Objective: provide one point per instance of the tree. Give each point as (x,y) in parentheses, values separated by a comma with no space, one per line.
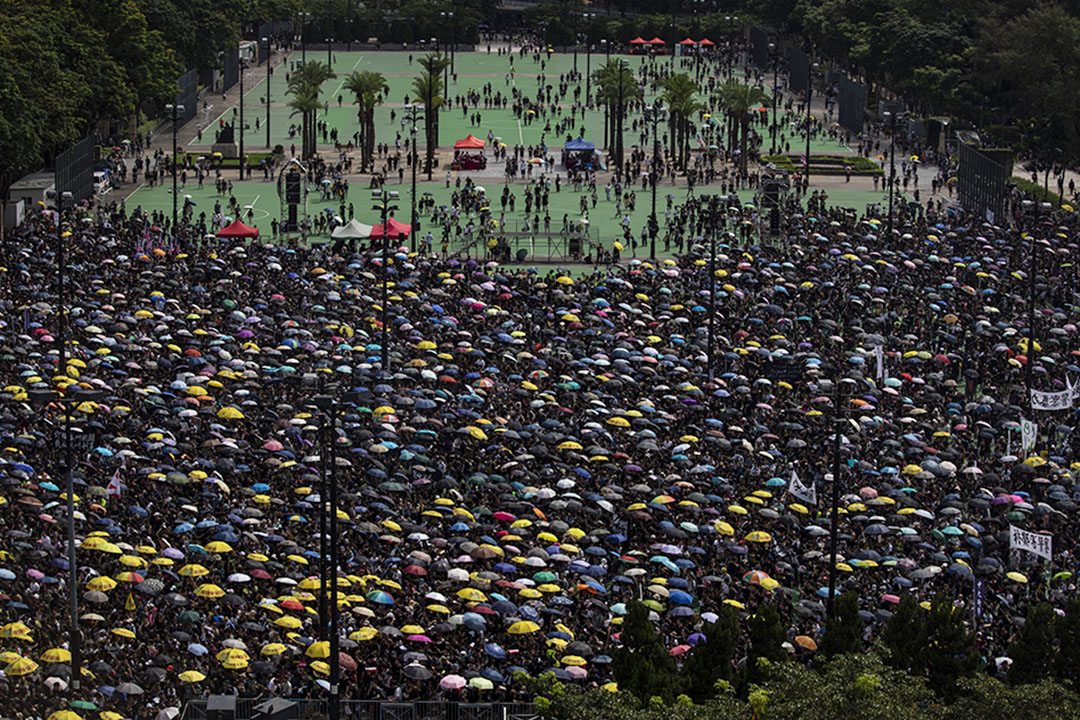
(1033,652)
(946,648)
(711,660)
(304,85)
(902,634)
(680,95)
(428,86)
(369,88)
(984,697)
(642,666)
(843,631)
(1067,667)
(741,100)
(617,88)
(766,636)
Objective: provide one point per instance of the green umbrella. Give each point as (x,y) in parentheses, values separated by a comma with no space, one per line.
(83,705)
(189,616)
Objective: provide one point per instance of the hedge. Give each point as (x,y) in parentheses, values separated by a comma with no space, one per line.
(1036,190)
(827,164)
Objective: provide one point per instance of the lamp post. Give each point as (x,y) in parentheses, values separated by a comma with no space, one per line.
(607,58)
(241,103)
(712,231)
(329,25)
(653,115)
(175,111)
(266,41)
(809,93)
(893,117)
(412,112)
(589,17)
(384,197)
(835,510)
(304,18)
(328,404)
(448,17)
(43,397)
(775,93)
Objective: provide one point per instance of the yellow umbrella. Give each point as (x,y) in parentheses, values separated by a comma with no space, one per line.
(209,590)
(65,715)
(1016,577)
(724,528)
(319,649)
(232,654)
(103,583)
(759,536)
(364,634)
(273,649)
(618,422)
(569,445)
(523,627)
(56,655)
(192,676)
(472,595)
(564,280)
(22,666)
(235,664)
(230,413)
(217,547)
(132,561)
(110,715)
(124,633)
(288,622)
(193,571)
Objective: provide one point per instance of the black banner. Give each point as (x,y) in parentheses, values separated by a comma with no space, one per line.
(75,170)
(852,104)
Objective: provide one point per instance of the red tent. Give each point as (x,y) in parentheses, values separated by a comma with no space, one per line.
(707,41)
(469,143)
(238,229)
(687,41)
(639,41)
(397,229)
(657,41)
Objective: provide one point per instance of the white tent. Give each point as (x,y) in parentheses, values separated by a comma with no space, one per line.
(352,230)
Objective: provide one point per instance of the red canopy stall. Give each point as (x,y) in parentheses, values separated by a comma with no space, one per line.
(396,229)
(466,160)
(237,229)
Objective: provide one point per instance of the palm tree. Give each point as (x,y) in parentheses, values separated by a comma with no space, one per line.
(617,88)
(741,100)
(680,95)
(304,86)
(368,88)
(428,86)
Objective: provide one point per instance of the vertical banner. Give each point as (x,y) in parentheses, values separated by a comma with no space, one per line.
(1029,433)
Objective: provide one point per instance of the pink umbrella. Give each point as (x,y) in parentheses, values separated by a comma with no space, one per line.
(576,673)
(868,493)
(273,446)
(452,682)
(890,599)
(678,650)
(34,573)
(419,638)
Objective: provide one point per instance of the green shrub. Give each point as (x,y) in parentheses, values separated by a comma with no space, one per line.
(827,164)
(1036,190)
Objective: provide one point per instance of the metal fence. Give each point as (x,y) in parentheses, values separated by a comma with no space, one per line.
(852,104)
(249,709)
(75,170)
(798,70)
(188,95)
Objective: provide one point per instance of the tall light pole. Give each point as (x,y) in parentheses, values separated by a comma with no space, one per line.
(329,54)
(810,65)
(412,112)
(43,397)
(266,41)
(589,17)
(241,103)
(775,93)
(304,18)
(448,18)
(834,519)
(893,117)
(384,197)
(175,111)
(653,115)
(607,58)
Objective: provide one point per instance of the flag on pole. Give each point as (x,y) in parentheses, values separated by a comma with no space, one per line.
(115,487)
(806,493)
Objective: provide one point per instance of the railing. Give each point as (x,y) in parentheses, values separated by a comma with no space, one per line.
(307,709)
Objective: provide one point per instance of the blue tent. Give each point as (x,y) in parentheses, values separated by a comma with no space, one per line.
(580,144)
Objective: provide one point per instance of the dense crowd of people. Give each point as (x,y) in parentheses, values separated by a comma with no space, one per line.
(540,450)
